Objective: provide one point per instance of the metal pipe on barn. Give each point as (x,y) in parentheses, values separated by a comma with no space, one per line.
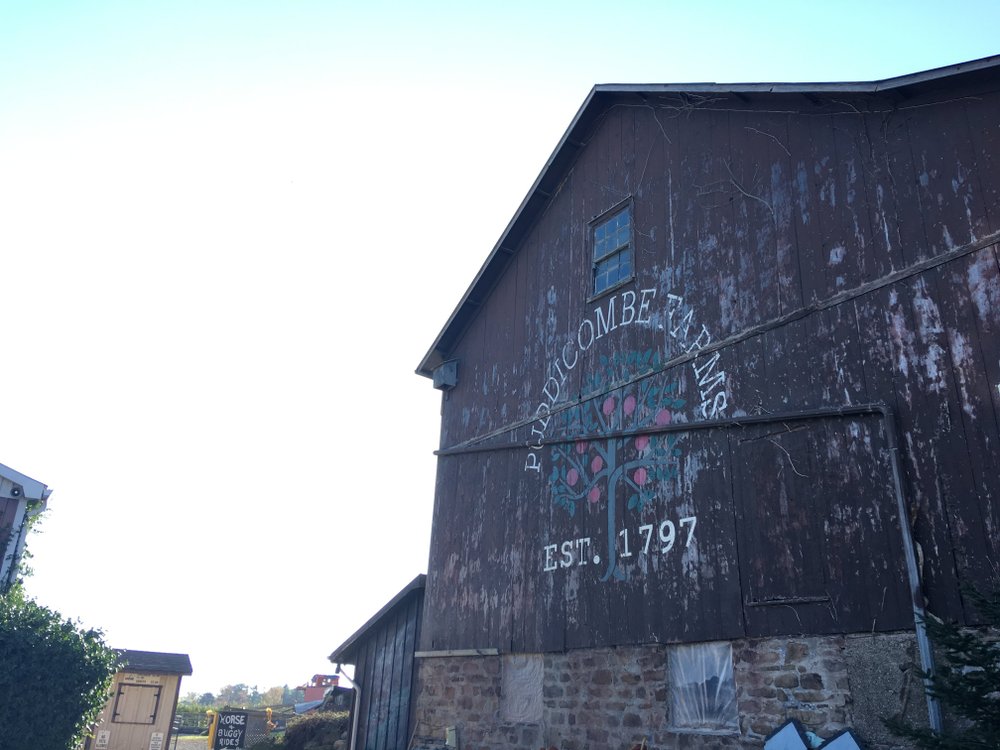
(916,590)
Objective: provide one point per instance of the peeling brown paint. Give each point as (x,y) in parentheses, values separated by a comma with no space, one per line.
(833,256)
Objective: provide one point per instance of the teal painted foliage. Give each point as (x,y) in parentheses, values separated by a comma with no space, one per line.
(592,470)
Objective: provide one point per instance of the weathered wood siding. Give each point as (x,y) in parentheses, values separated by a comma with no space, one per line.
(383,666)
(790,254)
(8,513)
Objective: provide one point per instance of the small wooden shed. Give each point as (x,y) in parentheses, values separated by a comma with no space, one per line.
(382,652)
(140,712)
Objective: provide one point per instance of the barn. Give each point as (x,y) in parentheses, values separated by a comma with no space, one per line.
(720,420)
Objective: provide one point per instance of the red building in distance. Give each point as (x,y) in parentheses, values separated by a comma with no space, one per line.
(316,689)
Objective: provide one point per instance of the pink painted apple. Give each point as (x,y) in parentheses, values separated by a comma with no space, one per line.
(571,477)
(609,405)
(594,495)
(597,464)
(628,405)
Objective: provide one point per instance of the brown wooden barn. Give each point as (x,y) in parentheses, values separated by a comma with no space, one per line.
(720,418)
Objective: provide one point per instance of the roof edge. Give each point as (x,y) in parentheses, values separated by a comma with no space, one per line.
(337,657)
(154,662)
(428,363)
(33,489)
(818,87)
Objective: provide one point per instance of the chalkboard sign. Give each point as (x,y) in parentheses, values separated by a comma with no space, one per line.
(231,729)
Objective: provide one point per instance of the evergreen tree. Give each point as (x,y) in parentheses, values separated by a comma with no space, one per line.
(967,682)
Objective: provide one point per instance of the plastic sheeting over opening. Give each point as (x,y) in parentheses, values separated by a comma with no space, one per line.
(702,688)
(521,688)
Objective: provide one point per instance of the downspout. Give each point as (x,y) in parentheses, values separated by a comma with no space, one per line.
(916,591)
(15,546)
(355,709)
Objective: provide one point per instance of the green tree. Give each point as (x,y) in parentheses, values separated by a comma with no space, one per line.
(272,696)
(234,695)
(55,677)
(967,682)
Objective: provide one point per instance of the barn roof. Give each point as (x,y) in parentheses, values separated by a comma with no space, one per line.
(603,96)
(344,653)
(155,661)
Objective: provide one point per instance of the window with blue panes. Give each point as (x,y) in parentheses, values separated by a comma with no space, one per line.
(612,262)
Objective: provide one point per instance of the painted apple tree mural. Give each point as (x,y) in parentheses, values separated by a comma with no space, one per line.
(592,471)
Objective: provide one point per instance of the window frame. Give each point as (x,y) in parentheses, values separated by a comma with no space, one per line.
(626,204)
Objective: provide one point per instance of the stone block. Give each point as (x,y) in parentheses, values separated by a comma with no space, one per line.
(810,717)
(602,677)
(786,680)
(796,651)
(811,681)
(810,696)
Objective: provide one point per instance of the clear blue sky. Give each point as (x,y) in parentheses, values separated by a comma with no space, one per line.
(229,232)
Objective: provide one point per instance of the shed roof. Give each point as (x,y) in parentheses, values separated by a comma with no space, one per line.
(155,661)
(343,653)
(600,98)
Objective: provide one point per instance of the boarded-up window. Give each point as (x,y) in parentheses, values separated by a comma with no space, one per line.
(817,527)
(783,524)
(702,688)
(136,704)
(521,689)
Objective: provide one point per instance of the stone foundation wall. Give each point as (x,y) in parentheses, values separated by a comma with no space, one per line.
(618,697)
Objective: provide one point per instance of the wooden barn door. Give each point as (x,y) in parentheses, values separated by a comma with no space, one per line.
(818,530)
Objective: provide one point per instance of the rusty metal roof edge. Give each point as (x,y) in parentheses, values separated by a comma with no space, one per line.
(338,653)
(497,260)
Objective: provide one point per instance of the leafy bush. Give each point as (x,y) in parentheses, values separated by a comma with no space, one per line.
(55,677)
(317,731)
(967,683)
